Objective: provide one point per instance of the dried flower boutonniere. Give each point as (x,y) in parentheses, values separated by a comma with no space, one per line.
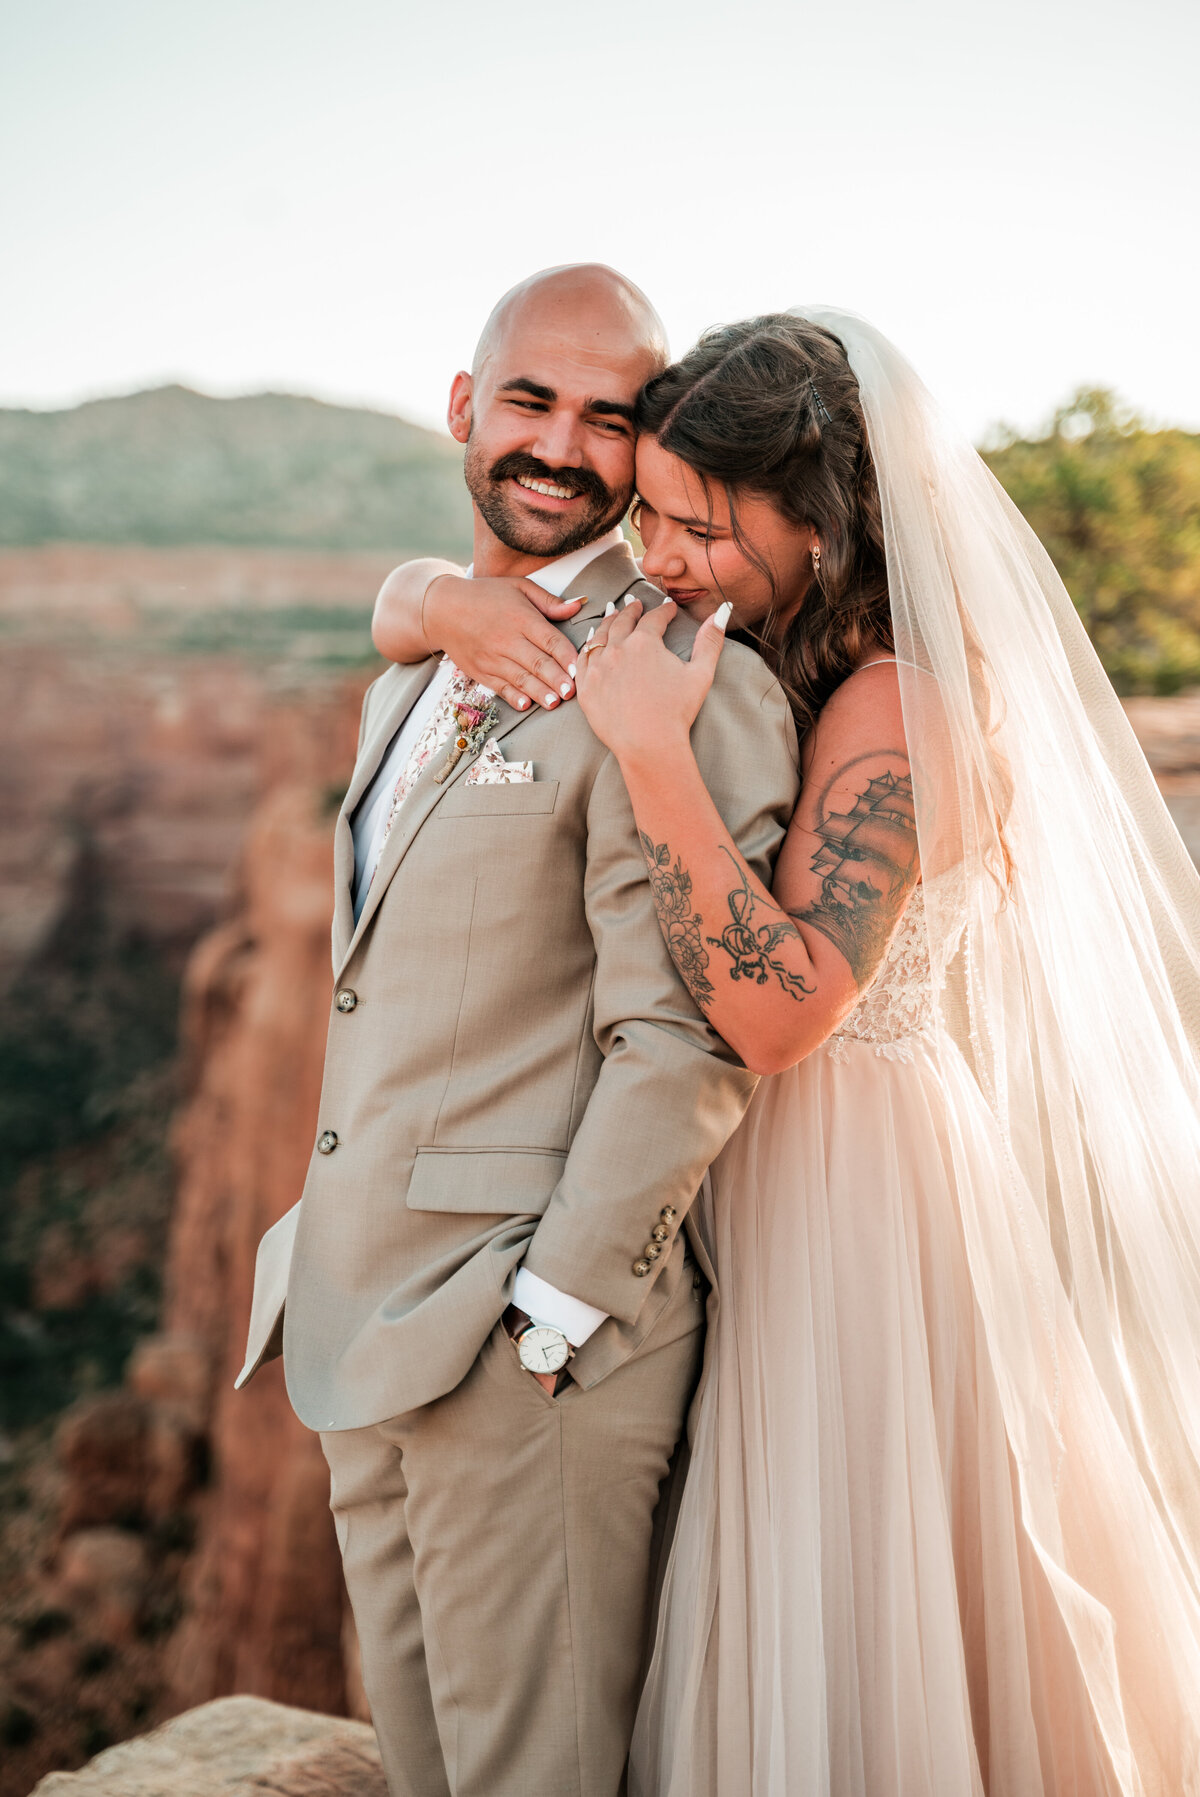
(474,718)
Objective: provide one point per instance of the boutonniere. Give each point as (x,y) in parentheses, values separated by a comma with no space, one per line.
(474,719)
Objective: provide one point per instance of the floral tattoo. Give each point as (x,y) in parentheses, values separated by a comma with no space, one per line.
(672,890)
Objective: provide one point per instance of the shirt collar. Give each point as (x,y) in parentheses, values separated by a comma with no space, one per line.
(557,576)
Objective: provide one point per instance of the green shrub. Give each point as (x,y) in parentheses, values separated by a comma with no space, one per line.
(1118,508)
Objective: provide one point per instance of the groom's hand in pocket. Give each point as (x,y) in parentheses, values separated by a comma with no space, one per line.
(513,1320)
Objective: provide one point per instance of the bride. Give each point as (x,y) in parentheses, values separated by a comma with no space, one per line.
(940,1533)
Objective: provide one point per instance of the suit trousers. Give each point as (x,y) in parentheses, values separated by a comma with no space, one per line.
(497,1546)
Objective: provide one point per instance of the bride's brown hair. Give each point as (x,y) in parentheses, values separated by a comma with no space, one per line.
(771,406)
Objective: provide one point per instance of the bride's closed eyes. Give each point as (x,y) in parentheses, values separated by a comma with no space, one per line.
(645,521)
(693,553)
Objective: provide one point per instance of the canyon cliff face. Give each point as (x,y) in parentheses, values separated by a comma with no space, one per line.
(133,693)
(176,729)
(265,1596)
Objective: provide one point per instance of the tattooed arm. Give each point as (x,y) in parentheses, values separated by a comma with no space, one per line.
(775,972)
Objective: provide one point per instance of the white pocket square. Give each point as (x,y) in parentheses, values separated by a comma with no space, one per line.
(490,768)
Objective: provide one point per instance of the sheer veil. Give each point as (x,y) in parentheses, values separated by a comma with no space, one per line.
(1063,920)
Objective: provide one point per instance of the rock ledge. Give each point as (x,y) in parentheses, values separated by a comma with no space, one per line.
(234,1747)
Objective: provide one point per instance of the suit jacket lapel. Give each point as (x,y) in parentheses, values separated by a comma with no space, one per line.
(407,684)
(603,580)
(423,799)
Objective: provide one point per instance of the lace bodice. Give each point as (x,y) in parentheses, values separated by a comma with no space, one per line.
(899,1001)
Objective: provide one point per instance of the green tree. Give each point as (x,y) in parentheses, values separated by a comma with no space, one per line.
(1118,508)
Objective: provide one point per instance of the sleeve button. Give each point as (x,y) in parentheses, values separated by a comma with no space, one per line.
(659,1233)
(641,1268)
(652,1250)
(668,1214)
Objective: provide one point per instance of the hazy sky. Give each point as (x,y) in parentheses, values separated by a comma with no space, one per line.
(327,198)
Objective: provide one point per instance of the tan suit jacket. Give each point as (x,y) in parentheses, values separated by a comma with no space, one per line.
(522,1075)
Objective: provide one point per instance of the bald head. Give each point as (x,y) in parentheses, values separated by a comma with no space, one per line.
(594,305)
(547,413)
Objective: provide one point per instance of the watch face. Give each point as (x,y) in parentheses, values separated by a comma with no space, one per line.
(543,1350)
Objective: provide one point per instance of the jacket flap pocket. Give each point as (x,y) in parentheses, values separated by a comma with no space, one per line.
(485,1181)
(496,798)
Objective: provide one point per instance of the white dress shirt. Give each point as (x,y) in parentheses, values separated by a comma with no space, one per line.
(369,823)
(546,1303)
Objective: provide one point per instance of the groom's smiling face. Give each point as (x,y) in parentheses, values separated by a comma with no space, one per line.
(547,414)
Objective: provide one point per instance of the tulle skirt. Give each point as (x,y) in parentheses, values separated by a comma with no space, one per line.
(866,1595)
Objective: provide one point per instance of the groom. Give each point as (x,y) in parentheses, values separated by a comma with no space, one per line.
(519,1104)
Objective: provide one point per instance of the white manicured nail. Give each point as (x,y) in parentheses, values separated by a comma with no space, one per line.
(630,599)
(591,633)
(551,699)
(571,669)
(722,614)
(565,688)
(610,608)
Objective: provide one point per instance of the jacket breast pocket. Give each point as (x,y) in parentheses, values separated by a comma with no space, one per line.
(498,799)
(485,1181)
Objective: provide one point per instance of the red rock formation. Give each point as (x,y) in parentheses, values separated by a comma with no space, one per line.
(118,731)
(1169,732)
(148,766)
(266,1597)
(113,586)
(135,1456)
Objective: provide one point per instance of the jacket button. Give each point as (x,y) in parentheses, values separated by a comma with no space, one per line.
(659,1233)
(327,1141)
(667,1214)
(641,1268)
(346,999)
(652,1250)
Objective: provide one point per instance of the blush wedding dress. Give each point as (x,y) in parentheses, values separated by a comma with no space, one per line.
(940,1533)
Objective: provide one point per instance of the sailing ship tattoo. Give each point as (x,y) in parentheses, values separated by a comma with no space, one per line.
(868,865)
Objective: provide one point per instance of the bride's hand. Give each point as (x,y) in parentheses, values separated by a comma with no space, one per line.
(638,697)
(498,632)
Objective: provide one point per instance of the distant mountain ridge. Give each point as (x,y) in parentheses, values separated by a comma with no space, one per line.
(173,466)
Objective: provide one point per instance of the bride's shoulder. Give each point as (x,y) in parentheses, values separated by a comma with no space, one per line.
(862,718)
(867,703)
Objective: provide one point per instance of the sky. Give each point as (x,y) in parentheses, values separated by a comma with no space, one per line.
(251,195)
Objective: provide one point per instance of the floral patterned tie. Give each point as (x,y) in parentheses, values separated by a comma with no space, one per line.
(436,732)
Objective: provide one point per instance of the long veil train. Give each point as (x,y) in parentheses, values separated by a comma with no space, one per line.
(1057,1109)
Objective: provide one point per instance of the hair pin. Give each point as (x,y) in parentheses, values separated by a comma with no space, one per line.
(816,393)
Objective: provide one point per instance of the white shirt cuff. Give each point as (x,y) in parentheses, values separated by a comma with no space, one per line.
(576,1319)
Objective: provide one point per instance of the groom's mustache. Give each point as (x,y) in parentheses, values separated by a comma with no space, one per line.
(575,481)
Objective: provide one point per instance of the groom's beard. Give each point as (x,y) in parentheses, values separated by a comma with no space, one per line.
(518,526)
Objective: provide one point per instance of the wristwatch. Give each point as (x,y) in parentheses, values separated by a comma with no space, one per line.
(541,1348)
